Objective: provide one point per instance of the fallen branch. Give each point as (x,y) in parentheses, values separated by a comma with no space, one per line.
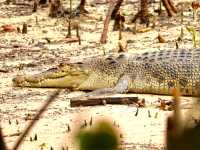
(23,4)
(103,101)
(64,40)
(4,70)
(71,40)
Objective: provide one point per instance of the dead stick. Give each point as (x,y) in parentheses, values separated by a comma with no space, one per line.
(120,26)
(106,22)
(69,22)
(104,100)
(77,34)
(4,70)
(70,40)
(14,134)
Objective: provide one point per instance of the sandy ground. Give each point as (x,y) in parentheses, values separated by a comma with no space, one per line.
(35,54)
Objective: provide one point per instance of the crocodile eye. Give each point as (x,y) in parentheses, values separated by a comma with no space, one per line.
(112,62)
(109,58)
(121,56)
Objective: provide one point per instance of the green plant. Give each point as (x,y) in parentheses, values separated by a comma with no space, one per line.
(100,137)
(192,31)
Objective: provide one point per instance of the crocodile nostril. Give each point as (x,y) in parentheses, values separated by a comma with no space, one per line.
(18,79)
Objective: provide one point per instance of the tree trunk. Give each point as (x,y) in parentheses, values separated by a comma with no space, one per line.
(82,2)
(81,7)
(172,6)
(119,22)
(56,8)
(143,14)
(116,9)
(106,23)
(168,8)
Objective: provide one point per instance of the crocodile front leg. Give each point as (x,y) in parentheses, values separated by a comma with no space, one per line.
(119,88)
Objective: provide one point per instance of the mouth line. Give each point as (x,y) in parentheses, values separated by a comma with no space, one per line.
(71,79)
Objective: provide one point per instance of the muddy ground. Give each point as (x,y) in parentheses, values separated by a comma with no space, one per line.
(32,53)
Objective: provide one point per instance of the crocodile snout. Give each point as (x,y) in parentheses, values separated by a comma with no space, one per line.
(18,80)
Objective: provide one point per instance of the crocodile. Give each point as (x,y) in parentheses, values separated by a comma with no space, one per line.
(155,72)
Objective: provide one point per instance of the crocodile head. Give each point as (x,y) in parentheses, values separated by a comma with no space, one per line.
(63,76)
(82,74)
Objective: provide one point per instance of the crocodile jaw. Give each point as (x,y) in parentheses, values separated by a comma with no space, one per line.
(71,78)
(70,82)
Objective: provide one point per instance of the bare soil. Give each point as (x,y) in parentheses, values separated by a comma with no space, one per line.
(31,53)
